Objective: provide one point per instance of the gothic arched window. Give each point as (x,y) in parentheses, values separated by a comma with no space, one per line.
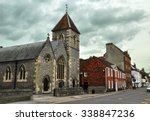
(8,73)
(60,68)
(74,39)
(22,73)
(61,37)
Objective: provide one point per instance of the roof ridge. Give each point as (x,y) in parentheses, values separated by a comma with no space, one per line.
(20,45)
(68,20)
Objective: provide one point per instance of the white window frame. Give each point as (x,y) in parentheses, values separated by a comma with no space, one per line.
(23,76)
(111,72)
(108,84)
(9,78)
(85,74)
(108,72)
(112,84)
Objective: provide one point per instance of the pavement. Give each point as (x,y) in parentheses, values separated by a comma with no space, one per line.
(50,99)
(146,101)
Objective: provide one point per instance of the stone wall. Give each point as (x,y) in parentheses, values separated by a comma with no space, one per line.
(73,57)
(8,96)
(45,69)
(68,91)
(71,40)
(114,55)
(96,89)
(30,75)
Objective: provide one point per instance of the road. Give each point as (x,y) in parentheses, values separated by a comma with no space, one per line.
(130,96)
(137,96)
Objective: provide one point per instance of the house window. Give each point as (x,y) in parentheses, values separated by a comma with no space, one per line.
(60,68)
(108,84)
(22,73)
(8,73)
(108,72)
(118,74)
(115,73)
(111,73)
(85,74)
(112,85)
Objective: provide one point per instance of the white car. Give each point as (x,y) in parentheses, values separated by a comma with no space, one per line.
(148,88)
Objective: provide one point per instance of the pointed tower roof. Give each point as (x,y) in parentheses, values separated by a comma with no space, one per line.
(65,23)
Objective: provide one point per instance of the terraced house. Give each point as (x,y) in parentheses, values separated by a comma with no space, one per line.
(45,65)
(100,75)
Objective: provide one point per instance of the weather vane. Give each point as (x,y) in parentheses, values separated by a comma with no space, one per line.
(66,8)
(48,34)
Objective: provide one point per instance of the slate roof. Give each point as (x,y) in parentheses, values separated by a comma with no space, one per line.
(21,52)
(111,65)
(65,23)
(102,59)
(108,64)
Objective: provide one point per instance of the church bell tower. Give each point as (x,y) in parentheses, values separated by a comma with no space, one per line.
(66,31)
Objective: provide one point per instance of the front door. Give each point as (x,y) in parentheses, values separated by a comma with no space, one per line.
(45,84)
(73,83)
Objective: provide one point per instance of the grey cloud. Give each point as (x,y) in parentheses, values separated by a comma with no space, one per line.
(113,24)
(120,33)
(28,18)
(114,16)
(20,16)
(15,35)
(86,37)
(92,52)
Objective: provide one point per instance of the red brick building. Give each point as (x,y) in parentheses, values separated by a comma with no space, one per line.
(95,72)
(92,72)
(127,68)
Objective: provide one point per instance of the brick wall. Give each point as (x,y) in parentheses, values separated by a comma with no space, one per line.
(93,72)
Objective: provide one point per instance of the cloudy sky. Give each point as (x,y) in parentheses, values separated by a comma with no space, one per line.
(126,23)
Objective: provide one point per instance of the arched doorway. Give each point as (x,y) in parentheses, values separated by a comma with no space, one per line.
(73,83)
(46,84)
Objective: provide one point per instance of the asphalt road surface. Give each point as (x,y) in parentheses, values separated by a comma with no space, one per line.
(137,96)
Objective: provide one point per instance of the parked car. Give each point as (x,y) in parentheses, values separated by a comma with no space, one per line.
(148,88)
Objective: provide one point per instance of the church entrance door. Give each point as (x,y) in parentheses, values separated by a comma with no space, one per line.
(46,84)
(73,83)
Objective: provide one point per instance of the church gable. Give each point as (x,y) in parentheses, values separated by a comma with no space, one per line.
(46,53)
(45,69)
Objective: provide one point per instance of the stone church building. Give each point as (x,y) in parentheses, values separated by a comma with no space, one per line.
(43,66)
